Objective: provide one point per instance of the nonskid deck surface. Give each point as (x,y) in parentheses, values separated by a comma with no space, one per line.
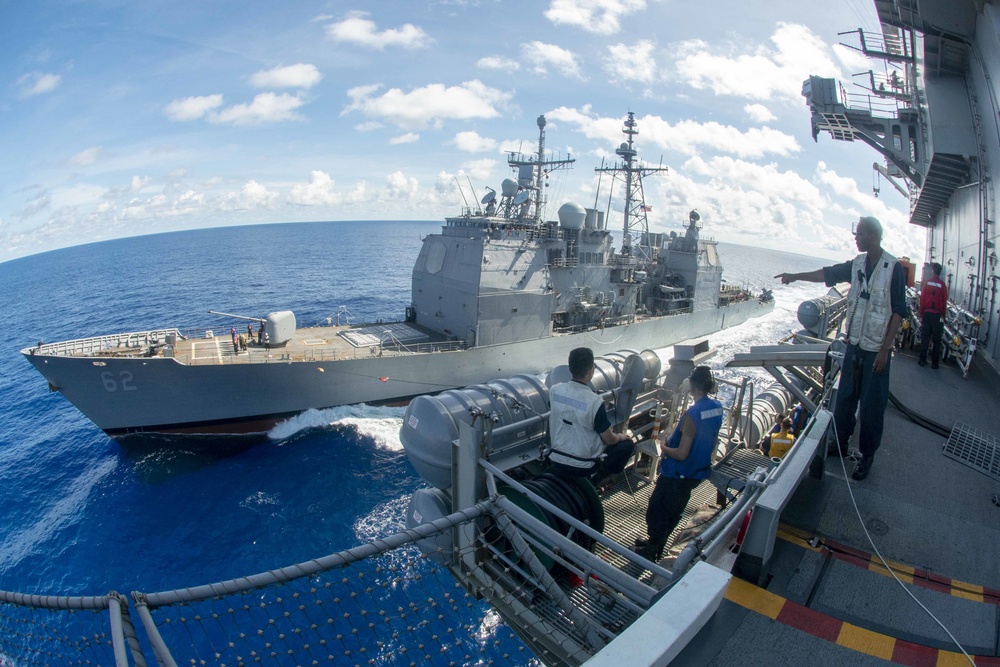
(830,600)
(312,344)
(215,347)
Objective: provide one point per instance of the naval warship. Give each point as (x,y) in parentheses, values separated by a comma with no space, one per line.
(500,290)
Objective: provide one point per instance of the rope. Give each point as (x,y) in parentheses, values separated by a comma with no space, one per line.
(857,513)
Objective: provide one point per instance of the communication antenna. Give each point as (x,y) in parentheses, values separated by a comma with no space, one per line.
(474,195)
(600,174)
(459,184)
(636,223)
(489,196)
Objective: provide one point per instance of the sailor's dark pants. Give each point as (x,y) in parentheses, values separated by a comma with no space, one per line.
(860,385)
(616,457)
(931,328)
(666,506)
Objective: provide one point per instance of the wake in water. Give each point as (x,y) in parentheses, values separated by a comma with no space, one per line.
(381,424)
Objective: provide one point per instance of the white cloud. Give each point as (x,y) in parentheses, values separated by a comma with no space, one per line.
(265,108)
(602,17)
(407,138)
(429,105)
(36,83)
(632,62)
(399,186)
(498,63)
(192,108)
(41,201)
(542,56)
(479,170)
(687,137)
(762,74)
(356,29)
(251,195)
(471,142)
(319,191)
(369,126)
(85,157)
(138,183)
(758,112)
(301,75)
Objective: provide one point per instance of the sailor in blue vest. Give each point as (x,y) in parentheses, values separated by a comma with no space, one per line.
(583,444)
(876,305)
(686,459)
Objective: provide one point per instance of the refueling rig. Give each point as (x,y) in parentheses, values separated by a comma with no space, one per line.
(553,555)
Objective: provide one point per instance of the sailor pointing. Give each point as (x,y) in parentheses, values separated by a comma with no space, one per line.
(876,305)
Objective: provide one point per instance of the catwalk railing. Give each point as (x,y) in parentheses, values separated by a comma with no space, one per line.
(396,600)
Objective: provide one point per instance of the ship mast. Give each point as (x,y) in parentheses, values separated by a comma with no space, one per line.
(538,168)
(636,224)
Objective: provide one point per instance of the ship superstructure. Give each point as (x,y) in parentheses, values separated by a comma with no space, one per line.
(928,106)
(499,290)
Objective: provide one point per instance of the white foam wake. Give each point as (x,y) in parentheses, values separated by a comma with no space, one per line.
(379,423)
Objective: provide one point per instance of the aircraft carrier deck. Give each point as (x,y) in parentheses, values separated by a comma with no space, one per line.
(827,599)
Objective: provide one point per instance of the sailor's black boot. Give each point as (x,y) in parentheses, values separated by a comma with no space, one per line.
(651,551)
(862,468)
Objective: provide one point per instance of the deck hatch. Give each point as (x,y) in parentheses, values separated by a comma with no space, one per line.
(383,334)
(974,448)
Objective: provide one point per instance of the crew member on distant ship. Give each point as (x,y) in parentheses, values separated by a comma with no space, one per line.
(933,305)
(877,304)
(583,444)
(685,460)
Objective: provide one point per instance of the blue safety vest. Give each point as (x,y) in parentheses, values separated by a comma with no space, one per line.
(707,416)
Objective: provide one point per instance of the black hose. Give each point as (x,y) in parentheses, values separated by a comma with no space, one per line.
(919,419)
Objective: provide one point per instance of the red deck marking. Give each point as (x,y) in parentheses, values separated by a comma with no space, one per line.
(920,577)
(932,585)
(857,553)
(809,621)
(915,655)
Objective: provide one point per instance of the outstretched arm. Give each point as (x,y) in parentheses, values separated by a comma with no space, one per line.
(816,276)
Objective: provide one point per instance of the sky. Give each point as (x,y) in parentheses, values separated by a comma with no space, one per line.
(127,118)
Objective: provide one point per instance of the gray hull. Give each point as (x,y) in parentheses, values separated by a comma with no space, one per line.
(163,395)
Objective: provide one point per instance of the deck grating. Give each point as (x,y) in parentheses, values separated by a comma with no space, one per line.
(976,449)
(625,504)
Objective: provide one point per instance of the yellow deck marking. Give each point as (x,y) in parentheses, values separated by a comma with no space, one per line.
(799,537)
(753,598)
(896,567)
(906,573)
(968,595)
(866,641)
(952,659)
(878,568)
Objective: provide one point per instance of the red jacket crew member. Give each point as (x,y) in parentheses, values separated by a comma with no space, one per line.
(933,306)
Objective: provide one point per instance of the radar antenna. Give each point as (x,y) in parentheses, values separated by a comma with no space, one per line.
(533,170)
(635,234)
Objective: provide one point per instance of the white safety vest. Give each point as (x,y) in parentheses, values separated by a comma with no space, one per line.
(571,424)
(870,317)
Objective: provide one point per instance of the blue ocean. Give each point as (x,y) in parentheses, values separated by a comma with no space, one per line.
(82,515)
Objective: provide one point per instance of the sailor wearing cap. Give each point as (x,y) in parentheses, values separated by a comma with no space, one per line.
(876,305)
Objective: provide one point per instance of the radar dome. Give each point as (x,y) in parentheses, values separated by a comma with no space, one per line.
(508,187)
(572,216)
